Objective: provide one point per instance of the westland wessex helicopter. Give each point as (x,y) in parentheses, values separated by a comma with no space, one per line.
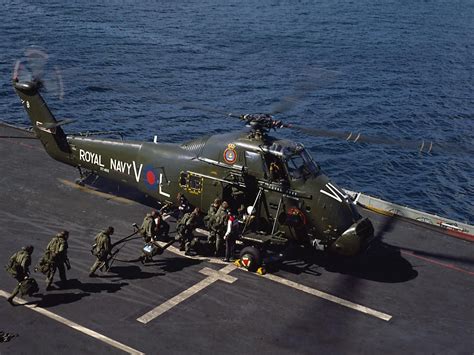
(292,200)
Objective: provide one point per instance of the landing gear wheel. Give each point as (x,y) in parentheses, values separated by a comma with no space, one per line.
(250,258)
(79,182)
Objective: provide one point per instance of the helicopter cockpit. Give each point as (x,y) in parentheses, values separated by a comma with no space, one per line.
(289,161)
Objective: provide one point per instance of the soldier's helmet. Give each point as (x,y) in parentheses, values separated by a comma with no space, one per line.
(225,205)
(197,210)
(64,234)
(110,230)
(29,249)
(217,202)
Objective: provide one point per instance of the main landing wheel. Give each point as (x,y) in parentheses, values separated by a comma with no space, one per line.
(250,258)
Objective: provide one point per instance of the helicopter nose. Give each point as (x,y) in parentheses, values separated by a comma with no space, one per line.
(355,238)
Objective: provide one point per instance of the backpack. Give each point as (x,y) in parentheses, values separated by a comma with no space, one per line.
(13,267)
(54,245)
(181,225)
(97,248)
(46,263)
(28,286)
(218,221)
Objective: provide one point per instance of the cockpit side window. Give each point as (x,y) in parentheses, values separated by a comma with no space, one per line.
(301,166)
(254,163)
(275,168)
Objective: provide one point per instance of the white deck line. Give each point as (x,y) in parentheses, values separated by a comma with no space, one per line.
(213,276)
(75,326)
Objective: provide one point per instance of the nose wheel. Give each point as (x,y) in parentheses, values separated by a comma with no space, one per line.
(250,258)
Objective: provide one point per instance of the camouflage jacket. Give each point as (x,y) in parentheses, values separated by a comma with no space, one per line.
(148,226)
(103,245)
(57,248)
(19,263)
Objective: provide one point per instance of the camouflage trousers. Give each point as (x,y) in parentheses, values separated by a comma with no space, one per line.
(52,272)
(99,263)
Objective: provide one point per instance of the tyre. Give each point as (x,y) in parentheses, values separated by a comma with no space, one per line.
(250,258)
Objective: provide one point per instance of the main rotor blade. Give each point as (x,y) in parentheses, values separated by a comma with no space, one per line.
(424,146)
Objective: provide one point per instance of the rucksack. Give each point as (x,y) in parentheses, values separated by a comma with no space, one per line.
(54,245)
(181,225)
(13,268)
(97,248)
(28,286)
(46,263)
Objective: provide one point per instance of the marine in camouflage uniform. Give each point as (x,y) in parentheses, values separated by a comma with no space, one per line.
(102,249)
(148,228)
(57,251)
(211,239)
(18,267)
(185,228)
(218,226)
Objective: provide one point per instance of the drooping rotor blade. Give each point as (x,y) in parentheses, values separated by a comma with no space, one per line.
(424,146)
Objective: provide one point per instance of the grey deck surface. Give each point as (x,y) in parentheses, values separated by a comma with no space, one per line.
(427,288)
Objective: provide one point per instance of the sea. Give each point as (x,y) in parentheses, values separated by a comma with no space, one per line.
(397,71)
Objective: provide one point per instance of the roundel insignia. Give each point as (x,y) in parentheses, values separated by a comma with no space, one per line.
(246,261)
(150,177)
(296,216)
(230,155)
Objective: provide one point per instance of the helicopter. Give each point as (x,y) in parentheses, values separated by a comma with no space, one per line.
(290,198)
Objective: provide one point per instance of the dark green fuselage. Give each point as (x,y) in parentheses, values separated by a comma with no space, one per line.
(300,202)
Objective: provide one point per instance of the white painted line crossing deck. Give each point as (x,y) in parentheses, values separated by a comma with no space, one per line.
(212,276)
(75,326)
(328,297)
(196,288)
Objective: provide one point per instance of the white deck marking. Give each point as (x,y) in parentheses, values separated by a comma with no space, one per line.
(328,297)
(212,276)
(357,307)
(75,326)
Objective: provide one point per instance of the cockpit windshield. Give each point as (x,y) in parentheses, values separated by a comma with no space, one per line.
(301,165)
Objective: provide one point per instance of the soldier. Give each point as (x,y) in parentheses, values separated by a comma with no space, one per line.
(183,205)
(102,249)
(218,226)
(209,220)
(185,228)
(18,267)
(212,211)
(148,227)
(57,251)
(162,227)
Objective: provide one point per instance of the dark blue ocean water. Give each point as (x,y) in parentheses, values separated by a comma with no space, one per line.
(398,69)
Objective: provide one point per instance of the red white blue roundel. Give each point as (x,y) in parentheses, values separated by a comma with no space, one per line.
(230,155)
(150,177)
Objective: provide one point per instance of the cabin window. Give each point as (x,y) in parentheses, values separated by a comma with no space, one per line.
(194,184)
(183,179)
(191,182)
